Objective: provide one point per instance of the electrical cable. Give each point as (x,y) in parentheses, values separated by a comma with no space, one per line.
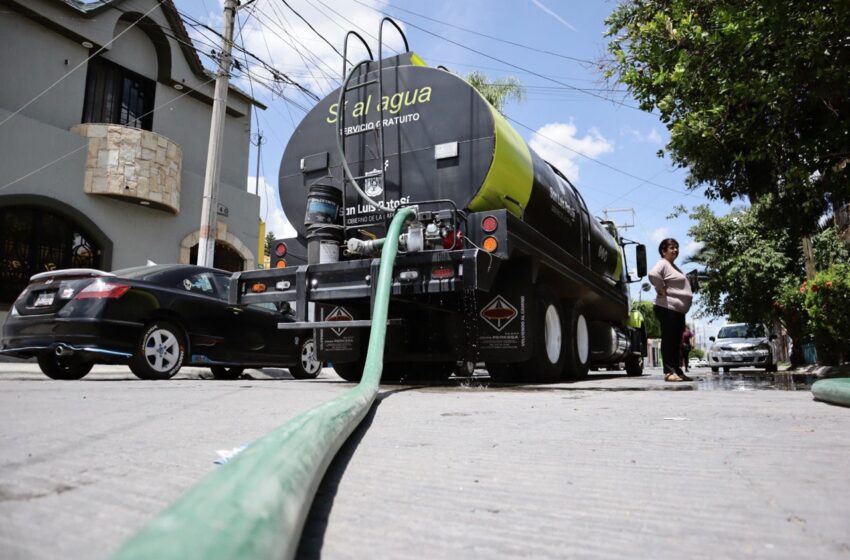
(602,163)
(60,158)
(506,63)
(78,66)
(542,51)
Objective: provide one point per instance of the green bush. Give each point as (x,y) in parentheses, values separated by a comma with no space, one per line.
(826,300)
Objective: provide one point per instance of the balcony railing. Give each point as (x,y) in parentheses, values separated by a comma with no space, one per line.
(131,164)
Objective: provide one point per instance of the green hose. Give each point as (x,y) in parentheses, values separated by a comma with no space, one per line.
(255,506)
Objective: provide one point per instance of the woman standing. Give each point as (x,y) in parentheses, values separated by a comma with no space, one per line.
(671,305)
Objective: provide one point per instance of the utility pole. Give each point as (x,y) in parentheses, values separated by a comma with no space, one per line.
(206,244)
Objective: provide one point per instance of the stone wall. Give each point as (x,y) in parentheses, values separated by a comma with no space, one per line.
(132,164)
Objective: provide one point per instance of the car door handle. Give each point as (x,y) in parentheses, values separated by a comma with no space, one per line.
(235,310)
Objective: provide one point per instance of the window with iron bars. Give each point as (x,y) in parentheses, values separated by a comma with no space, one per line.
(116,95)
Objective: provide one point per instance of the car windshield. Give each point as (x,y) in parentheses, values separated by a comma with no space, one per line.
(742,331)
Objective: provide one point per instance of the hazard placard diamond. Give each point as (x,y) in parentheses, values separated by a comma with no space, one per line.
(499,313)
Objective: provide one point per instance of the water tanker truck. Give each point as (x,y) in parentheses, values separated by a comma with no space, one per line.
(503,263)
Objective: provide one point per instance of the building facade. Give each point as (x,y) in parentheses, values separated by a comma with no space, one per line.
(102,154)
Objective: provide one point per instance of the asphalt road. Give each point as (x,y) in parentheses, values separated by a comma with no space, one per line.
(612,467)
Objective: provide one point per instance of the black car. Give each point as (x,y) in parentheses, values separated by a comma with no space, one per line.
(153,318)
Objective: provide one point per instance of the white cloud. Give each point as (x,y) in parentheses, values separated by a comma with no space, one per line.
(270,210)
(659,234)
(654,137)
(558,143)
(689,249)
(563,22)
(277,35)
(651,137)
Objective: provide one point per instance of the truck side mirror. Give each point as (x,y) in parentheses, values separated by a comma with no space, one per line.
(711,338)
(640,256)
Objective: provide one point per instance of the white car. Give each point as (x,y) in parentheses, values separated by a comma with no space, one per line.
(743,345)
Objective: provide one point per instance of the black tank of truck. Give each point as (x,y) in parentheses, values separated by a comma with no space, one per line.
(442,140)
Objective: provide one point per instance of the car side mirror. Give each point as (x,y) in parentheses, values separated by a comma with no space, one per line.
(640,256)
(711,338)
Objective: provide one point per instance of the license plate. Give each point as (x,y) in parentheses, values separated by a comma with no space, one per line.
(738,358)
(44,299)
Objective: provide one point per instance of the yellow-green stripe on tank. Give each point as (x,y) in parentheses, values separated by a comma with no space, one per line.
(618,271)
(511,175)
(416,60)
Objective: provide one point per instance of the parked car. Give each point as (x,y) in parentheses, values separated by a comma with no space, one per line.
(154,319)
(743,345)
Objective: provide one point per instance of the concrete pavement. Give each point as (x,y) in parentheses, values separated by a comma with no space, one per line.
(595,469)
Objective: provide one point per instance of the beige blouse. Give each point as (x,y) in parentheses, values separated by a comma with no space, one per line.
(679,295)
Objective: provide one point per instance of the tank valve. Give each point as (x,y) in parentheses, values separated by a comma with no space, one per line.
(368,247)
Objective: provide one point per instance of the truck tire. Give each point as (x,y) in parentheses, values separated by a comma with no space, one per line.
(504,373)
(350,371)
(576,341)
(634,366)
(549,343)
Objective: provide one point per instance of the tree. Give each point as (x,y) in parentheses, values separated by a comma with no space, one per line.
(754,95)
(744,261)
(650,321)
(269,242)
(498,91)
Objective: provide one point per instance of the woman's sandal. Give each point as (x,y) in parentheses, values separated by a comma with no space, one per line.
(672,377)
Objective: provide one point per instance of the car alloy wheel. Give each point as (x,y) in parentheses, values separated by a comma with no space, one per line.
(159,352)
(308,366)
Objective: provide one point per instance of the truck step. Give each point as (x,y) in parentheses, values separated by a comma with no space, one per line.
(332,324)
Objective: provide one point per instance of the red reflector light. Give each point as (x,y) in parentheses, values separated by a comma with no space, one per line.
(280,249)
(453,240)
(101,289)
(489,224)
(443,272)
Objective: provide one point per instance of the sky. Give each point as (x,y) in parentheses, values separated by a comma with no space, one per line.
(590,129)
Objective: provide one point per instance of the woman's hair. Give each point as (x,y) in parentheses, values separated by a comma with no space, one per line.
(666,243)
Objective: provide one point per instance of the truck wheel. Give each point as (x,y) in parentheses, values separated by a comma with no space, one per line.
(351,371)
(504,373)
(547,356)
(714,370)
(634,366)
(576,341)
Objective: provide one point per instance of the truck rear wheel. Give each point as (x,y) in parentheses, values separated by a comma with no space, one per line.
(634,366)
(549,346)
(504,373)
(576,341)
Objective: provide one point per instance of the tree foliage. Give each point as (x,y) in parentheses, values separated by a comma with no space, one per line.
(497,91)
(754,95)
(650,321)
(269,242)
(744,259)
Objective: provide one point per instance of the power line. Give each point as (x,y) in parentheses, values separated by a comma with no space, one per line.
(602,163)
(559,55)
(85,145)
(506,63)
(285,3)
(78,66)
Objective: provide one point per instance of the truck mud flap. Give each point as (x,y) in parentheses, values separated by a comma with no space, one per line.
(503,316)
(339,345)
